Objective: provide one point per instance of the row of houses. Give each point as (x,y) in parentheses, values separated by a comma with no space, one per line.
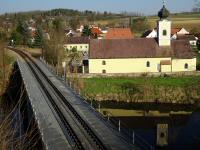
(176,33)
(120,52)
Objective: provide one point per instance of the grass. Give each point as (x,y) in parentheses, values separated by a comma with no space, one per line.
(185,20)
(114,84)
(9,60)
(141,113)
(35,52)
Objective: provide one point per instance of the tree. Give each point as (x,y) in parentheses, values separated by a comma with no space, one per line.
(22,28)
(139,24)
(16,37)
(39,39)
(86,31)
(74,22)
(57,25)
(198,44)
(74,59)
(2,36)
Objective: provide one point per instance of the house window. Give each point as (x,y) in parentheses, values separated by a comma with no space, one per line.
(80,46)
(103,71)
(164,32)
(186,66)
(85,46)
(103,62)
(71,47)
(148,64)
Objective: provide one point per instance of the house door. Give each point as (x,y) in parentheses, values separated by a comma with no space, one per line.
(159,68)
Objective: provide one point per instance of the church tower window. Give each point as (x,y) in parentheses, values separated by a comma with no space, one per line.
(164,32)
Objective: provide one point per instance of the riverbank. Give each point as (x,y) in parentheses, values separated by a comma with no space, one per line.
(161,89)
(140,113)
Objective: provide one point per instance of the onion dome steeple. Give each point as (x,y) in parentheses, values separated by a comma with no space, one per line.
(163,13)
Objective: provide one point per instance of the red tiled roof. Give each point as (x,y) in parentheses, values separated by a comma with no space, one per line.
(138,48)
(96,31)
(119,33)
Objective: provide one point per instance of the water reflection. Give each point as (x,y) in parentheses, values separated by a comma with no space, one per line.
(183,132)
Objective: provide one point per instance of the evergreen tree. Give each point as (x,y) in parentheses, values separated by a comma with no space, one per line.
(39,39)
(22,28)
(86,31)
(16,37)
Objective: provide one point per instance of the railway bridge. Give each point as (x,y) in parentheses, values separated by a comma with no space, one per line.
(64,119)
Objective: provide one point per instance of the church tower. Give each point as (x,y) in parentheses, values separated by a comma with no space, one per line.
(164,27)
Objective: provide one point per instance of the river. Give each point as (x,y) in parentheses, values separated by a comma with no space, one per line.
(183,130)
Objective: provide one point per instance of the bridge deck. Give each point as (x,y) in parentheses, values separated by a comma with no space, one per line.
(102,128)
(50,129)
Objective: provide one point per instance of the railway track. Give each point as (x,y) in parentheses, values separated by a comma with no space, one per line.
(74,127)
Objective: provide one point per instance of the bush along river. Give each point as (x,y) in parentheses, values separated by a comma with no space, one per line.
(155,126)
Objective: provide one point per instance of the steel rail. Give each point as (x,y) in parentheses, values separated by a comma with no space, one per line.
(70,131)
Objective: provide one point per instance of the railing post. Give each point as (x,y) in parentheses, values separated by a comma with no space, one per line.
(57,70)
(99,107)
(133,137)
(70,84)
(119,125)
(79,92)
(108,117)
(65,73)
(91,103)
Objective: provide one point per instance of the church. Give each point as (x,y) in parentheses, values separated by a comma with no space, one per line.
(143,55)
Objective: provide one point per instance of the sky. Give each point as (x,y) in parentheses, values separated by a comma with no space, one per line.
(146,7)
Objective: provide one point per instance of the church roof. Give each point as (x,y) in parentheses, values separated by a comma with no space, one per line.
(138,48)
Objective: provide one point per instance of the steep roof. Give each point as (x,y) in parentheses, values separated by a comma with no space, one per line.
(138,48)
(119,33)
(77,40)
(175,30)
(146,33)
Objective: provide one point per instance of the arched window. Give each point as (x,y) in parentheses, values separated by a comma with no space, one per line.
(186,66)
(148,64)
(103,62)
(103,71)
(164,32)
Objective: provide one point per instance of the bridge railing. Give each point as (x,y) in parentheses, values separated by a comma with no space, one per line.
(135,138)
(130,135)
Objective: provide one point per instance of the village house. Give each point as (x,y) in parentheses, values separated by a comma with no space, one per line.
(81,44)
(143,55)
(191,38)
(178,31)
(174,33)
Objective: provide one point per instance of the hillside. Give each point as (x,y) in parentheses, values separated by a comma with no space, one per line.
(186,20)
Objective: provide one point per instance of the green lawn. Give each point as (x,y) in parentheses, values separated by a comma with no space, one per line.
(114,84)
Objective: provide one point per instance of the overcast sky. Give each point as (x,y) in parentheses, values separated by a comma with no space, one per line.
(142,6)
